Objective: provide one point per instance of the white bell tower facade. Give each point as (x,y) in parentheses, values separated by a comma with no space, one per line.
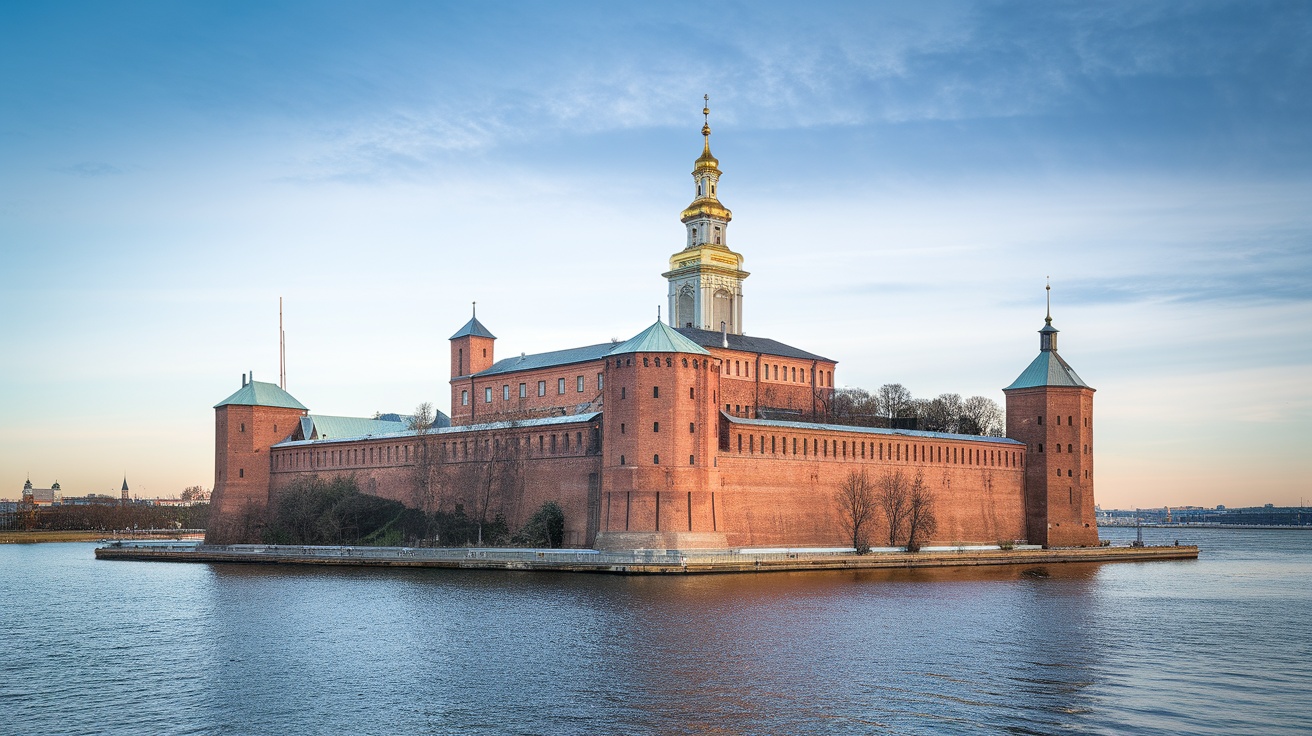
(706,278)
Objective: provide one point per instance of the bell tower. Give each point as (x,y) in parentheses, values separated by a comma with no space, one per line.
(1050,409)
(706,278)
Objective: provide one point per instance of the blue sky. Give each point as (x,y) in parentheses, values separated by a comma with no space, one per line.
(902,177)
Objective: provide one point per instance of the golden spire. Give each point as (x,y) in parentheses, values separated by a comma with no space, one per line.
(706,160)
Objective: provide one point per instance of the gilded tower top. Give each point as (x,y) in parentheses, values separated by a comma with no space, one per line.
(706,175)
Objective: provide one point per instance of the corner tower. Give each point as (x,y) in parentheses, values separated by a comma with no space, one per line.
(706,278)
(246,424)
(1050,409)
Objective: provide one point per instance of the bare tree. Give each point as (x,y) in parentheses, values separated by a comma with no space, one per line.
(893,501)
(981,415)
(921,522)
(425,461)
(853,406)
(893,400)
(942,414)
(856,504)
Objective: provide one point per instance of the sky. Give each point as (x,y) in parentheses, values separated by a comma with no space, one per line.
(903,177)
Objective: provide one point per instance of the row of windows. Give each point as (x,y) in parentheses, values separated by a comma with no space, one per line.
(579,387)
(1070,474)
(771,373)
(1070,421)
(446,451)
(655,362)
(656,459)
(896,451)
(1070,448)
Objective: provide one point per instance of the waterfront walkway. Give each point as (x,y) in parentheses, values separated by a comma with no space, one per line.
(628,562)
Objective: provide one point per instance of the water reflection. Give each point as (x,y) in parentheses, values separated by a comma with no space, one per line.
(1136,647)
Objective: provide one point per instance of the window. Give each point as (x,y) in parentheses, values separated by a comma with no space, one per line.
(692,394)
(600,383)
(692,459)
(1040,447)
(621,427)
(580,382)
(243,426)
(622,392)
(241,472)
(1070,447)
(560,386)
(655,459)
(655,426)
(1058,446)
(487,395)
(692,427)
(655,392)
(621,459)
(542,388)
(1040,419)
(523,390)
(464,398)
(505,392)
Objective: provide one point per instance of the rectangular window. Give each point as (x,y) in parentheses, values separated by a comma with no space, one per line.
(505,392)
(655,392)
(487,395)
(692,392)
(580,380)
(692,427)
(655,426)
(464,398)
(560,386)
(600,383)
(523,390)
(542,388)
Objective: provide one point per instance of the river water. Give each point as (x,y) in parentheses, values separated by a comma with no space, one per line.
(1220,645)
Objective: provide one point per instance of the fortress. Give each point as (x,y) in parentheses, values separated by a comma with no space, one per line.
(682,437)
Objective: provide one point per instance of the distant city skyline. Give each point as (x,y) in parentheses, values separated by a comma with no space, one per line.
(902,182)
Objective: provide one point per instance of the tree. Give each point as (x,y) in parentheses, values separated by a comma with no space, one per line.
(856,505)
(981,415)
(193,493)
(942,414)
(921,522)
(893,400)
(546,528)
(854,407)
(893,501)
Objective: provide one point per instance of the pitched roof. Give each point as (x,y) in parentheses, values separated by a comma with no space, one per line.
(475,328)
(259,393)
(1048,369)
(870,430)
(318,426)
(659,338)
(546,360)
(713,339)
(511,424)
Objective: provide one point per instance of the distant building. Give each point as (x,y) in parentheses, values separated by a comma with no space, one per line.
(51,496)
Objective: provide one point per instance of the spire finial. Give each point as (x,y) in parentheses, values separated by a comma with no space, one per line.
(474,309)
(658,313)
(706,115)
(1048,288)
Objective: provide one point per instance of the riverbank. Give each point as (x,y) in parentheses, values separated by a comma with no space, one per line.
(35,537)
(637,562)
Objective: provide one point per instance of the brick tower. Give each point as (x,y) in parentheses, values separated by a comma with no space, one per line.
(471,352)
(659,450)
(246,425)
(1050,409)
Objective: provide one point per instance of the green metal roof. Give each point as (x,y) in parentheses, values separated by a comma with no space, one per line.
(320,427)
(659,338)
(1048,369)
(475,328)
(547,360)
(258,393)
(714,339)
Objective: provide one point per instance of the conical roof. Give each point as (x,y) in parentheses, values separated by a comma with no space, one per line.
(258,393)
(1048,369)
(473,328)
(659,338)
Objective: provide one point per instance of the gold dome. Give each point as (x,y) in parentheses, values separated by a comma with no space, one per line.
(706,160)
